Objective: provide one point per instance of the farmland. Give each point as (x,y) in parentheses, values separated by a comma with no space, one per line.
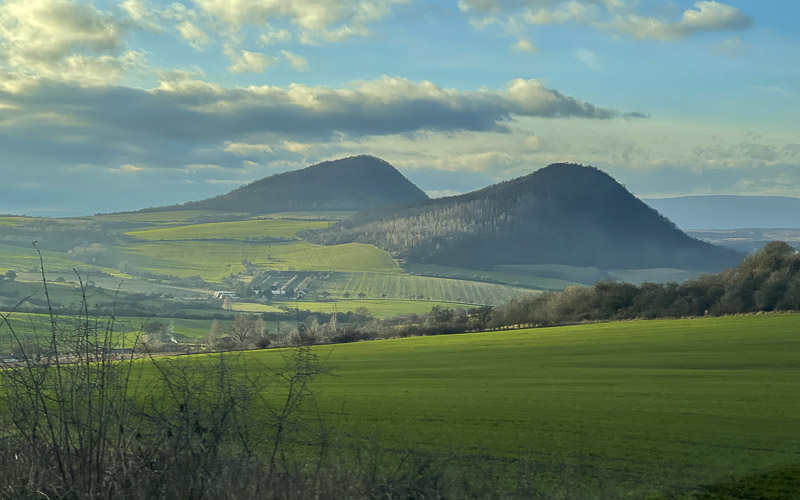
(38,325)
(379,308)
(214,260)
(398,285)
(644,407)
(237,230)
(639,409)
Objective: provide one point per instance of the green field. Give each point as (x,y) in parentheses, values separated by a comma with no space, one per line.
(379,308)
(629,409)
(237,230)
(213,260)
(38,325)
(24,257)
(553,276)
(403,286)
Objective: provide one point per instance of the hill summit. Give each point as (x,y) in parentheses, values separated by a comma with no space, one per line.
(561,214)
(353,183)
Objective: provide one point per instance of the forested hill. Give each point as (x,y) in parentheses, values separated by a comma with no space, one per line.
(560,214)
(353,183)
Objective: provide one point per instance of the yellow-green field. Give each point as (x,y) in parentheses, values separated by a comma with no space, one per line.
(24,257)
(214,260)
(379,308)
(238,230)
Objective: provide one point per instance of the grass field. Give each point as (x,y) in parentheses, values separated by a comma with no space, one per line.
(634,409)
(237,230)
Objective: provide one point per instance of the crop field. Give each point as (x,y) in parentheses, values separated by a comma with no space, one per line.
(631,409)
(403,286)
(508,277)
(253,307)
(25,257)
(214,260)
(379,308)
(14,221)
(61,294)
(236,230)
(30,325)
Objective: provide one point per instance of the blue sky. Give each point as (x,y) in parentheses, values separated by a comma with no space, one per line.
(111,105)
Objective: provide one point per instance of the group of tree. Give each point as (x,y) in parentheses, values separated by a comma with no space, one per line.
(246,331)
(768,280)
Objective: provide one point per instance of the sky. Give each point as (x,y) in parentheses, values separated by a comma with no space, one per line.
(109,105)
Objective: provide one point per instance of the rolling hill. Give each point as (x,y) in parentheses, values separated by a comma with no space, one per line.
(561,214)
(353,183)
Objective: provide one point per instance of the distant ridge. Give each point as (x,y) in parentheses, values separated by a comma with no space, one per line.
(730,212)
(352,183)
(561,214)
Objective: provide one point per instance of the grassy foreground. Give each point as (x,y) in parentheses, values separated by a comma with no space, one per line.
(636,409)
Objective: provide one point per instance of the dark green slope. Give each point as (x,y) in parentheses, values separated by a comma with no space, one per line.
(561,214)
(353,183)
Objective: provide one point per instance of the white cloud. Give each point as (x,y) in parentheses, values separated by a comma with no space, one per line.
(45,31)
(710,15)
(64,40)
(245,61)
(570,11)
(276,36)
(241,148)
(127,169)
(588,58)
(196,37)
(732,46)
(705,16)
(315,19)
(298,62)
(296,147)
(523,45)
(615,16)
